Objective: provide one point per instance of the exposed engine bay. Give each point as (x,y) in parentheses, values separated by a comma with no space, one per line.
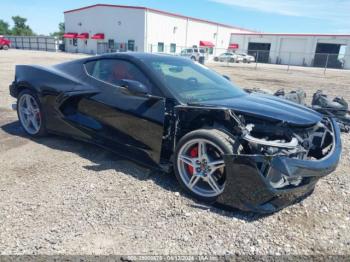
(278,163)
(271,139)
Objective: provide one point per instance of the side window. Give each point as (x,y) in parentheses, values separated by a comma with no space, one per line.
(114,70)
(131,45)
(172,48)
(160,47)
(110,43)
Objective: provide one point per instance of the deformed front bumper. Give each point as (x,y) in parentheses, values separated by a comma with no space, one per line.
(248,189)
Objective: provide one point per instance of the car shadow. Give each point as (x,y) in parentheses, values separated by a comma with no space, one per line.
(103,160)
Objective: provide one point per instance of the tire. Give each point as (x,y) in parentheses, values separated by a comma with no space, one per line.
(232,60)
(38,130)
(215,138)
(5,47)
(193,58)
(216,59)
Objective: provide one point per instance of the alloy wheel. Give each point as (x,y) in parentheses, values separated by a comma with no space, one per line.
(29,114)
(202,168)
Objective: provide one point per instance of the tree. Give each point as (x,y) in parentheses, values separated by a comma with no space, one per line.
(61,27)
(4,28)
(20,27)
(60,32)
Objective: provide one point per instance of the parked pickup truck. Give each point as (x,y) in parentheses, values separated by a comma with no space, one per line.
(4,43)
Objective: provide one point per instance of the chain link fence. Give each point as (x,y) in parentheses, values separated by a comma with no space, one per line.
(258,58)
(42,43)
(252,58)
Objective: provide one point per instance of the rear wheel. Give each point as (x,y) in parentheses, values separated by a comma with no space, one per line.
(198,164)
(30,115)
(5,47)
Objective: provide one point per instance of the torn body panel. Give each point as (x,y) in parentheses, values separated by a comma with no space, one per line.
(249,188)
(182,119)
(191,117)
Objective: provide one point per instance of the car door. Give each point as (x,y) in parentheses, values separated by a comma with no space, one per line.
(128,124)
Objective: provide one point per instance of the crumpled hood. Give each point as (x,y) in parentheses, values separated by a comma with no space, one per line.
(272,107)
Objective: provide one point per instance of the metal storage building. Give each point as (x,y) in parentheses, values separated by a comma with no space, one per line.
(319,50)
(102,28)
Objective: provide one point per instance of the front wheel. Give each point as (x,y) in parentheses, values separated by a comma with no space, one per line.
(5,47)
(199,165)
(30,113)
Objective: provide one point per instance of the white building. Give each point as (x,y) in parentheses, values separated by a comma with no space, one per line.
(296,49)
(102,28)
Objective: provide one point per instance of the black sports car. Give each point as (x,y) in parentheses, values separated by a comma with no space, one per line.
(250,151)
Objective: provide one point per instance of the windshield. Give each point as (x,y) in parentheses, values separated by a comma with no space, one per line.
(192,82)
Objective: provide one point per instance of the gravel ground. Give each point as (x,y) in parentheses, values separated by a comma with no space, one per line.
(60,196)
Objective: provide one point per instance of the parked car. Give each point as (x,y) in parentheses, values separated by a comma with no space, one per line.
(228,57)
(245,58)
(4,43)
(194,53)
(251,151)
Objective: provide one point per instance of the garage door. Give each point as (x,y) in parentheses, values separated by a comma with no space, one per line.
(327,54)
(261,51)
(292,51)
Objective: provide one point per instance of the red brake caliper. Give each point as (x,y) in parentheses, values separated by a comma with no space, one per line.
(38,115)
(193,153)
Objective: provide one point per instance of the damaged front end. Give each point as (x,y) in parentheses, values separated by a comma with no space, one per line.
(279,164)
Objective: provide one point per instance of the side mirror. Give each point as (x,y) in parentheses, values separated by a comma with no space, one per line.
(134,87)
(228,78)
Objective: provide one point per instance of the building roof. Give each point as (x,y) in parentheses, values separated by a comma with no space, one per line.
(290,34)
(157,11)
